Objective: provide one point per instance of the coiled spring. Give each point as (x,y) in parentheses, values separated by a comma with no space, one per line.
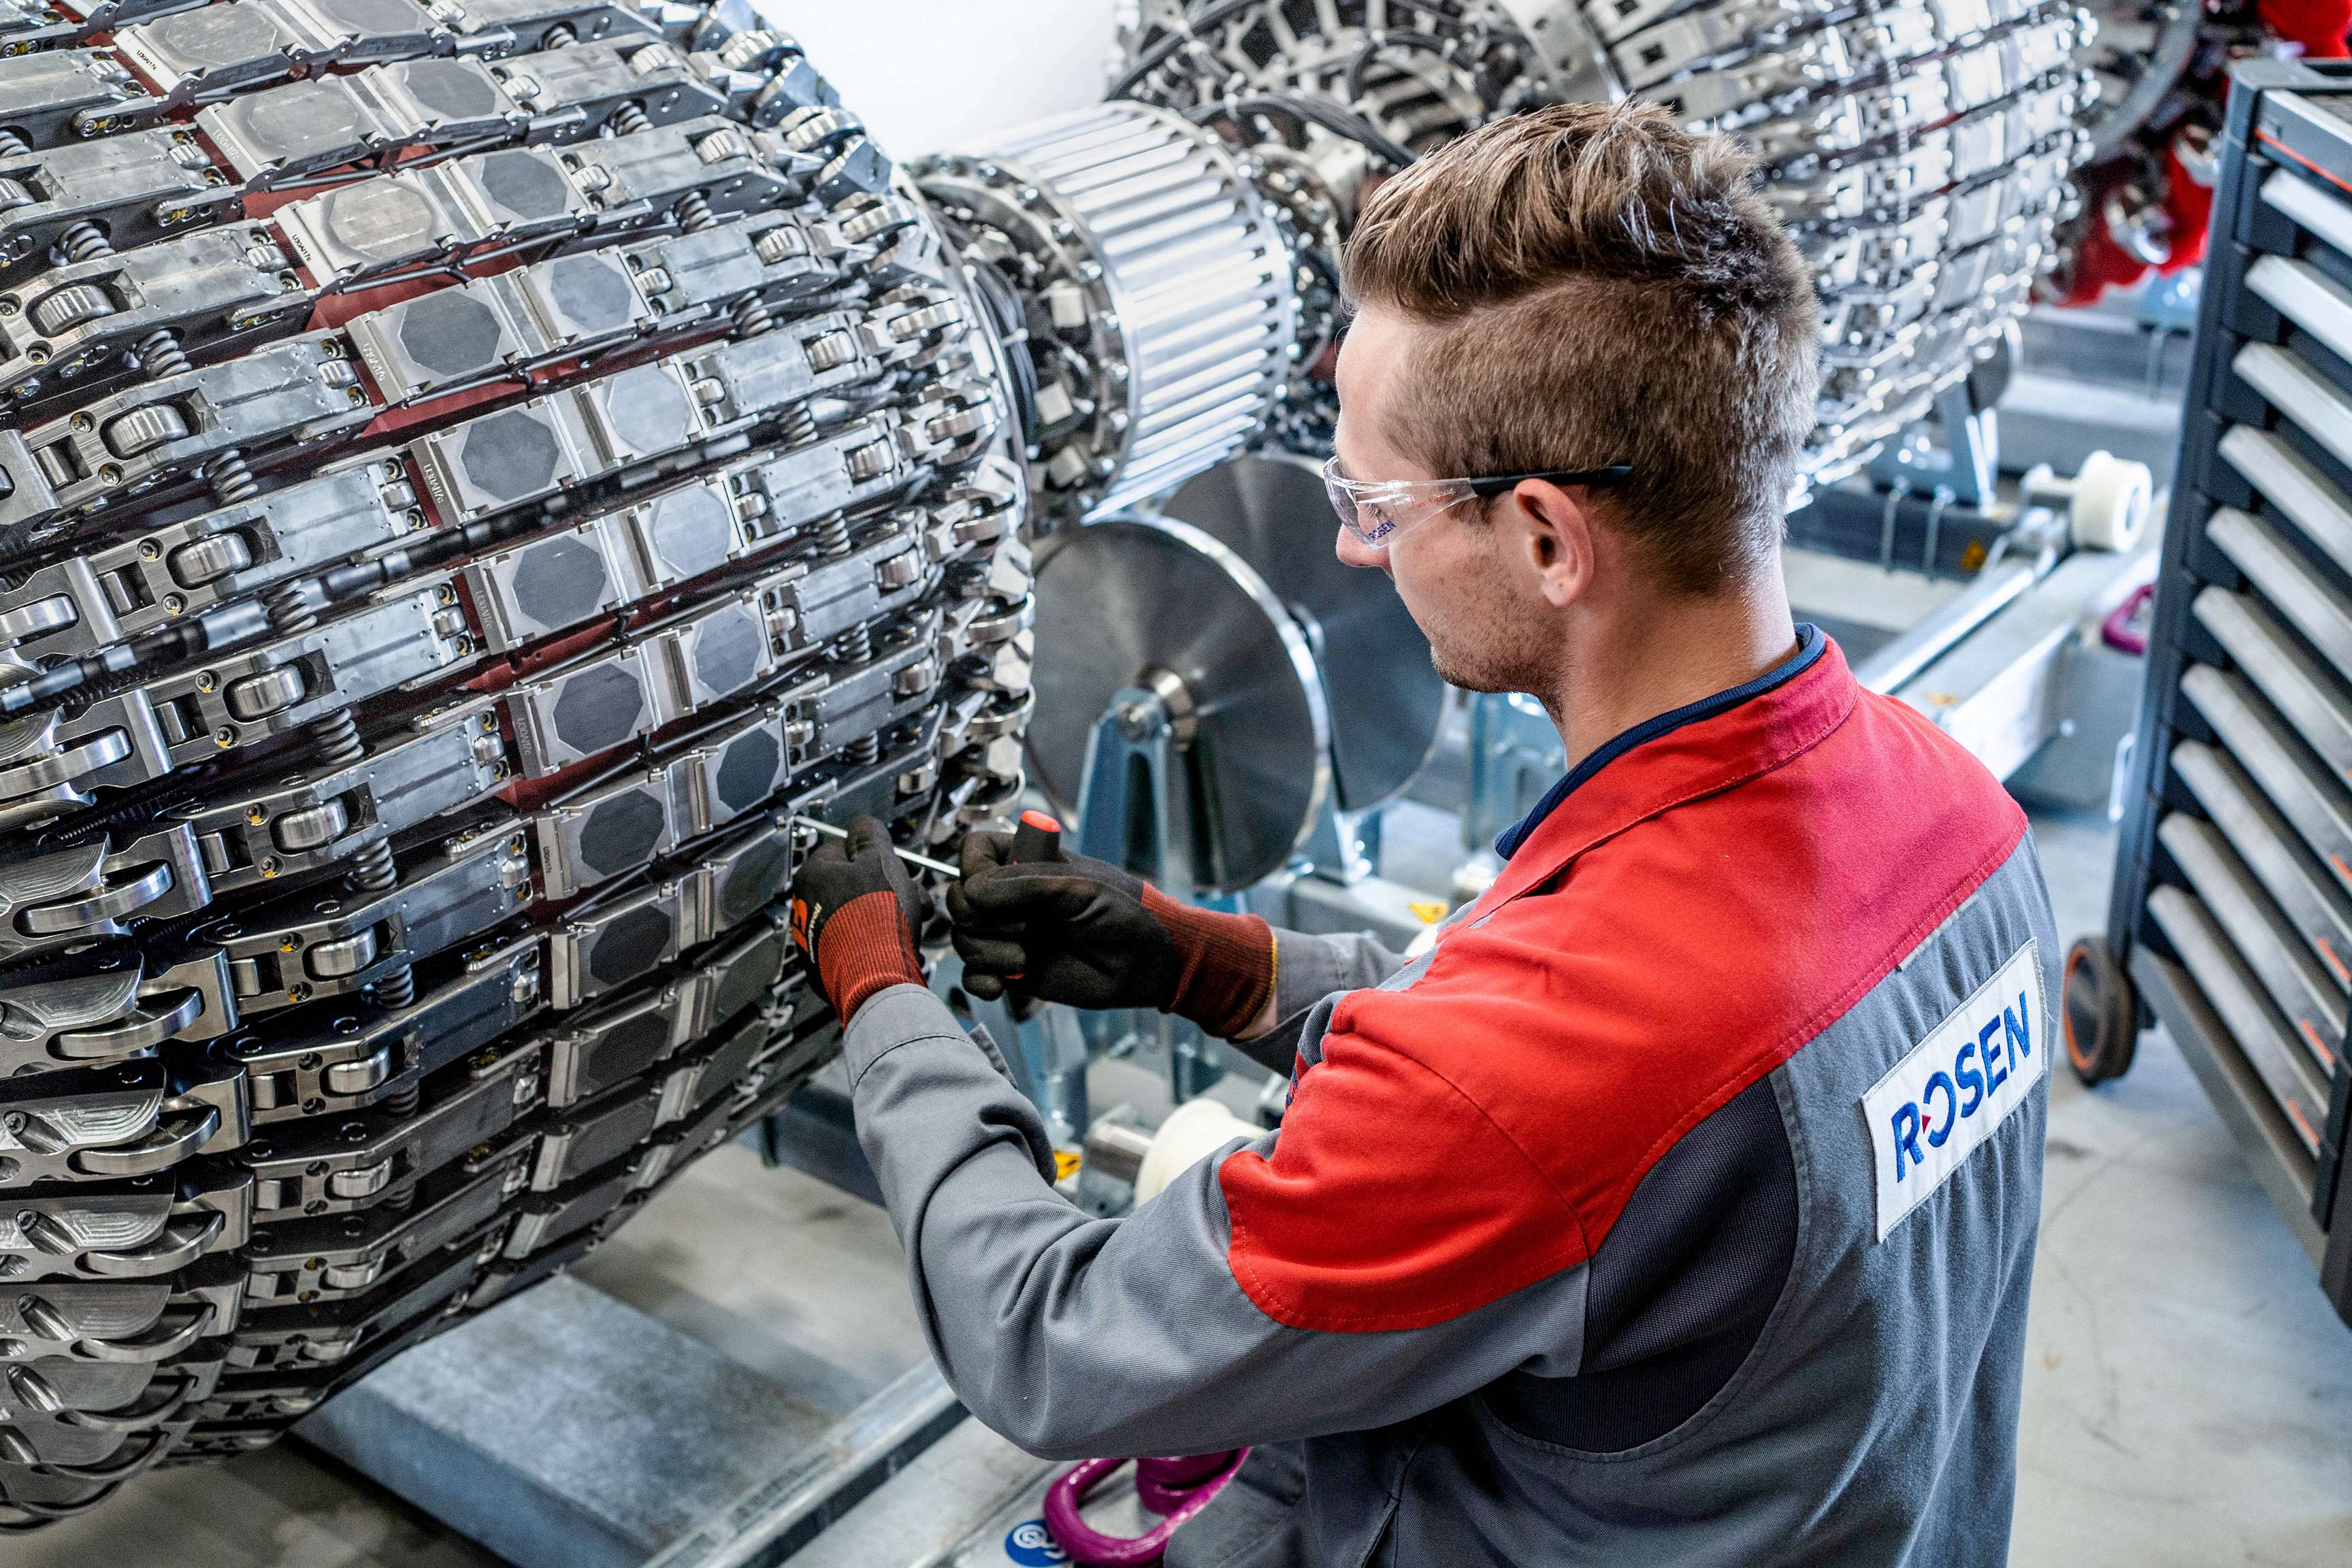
(753,318)
(85,241)
(857,647)
(161,353)
(232,480)
(798,429)
(372,871)
(336,738)
(291,610)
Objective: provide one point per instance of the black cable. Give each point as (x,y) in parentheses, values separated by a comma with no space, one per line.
(1167,47)
(1330,116)
(1003,306)
(1427,43)
(1002,303)
(1201,14)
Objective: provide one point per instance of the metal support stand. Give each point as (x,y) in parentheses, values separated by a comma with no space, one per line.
(1135,805)
(1515,756)
(1136,811)
(1966,467)
(1345,846)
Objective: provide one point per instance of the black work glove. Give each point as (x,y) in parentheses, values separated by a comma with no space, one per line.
(855,912)
(1080,931)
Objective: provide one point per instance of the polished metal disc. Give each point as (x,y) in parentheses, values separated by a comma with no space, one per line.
(1130,600)
(1385,696)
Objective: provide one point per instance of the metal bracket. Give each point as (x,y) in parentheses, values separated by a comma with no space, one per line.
(1135,810)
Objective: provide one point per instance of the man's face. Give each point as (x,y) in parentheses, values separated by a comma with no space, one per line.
(1453,570)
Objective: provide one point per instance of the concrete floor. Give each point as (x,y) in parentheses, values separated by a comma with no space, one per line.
(281,1508)
(2188,1391)
(2188,1396)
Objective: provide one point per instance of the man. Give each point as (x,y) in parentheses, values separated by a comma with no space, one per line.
(1680,1206)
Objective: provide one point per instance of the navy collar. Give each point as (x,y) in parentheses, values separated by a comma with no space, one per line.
(1809,643)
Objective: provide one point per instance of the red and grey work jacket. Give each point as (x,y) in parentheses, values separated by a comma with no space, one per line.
(1679,1207)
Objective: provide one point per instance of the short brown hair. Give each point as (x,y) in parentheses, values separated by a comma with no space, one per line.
(1611,289)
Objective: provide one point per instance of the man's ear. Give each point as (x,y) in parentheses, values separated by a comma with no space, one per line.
(1555,537)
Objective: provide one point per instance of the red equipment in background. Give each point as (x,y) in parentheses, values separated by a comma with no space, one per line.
(2148,194)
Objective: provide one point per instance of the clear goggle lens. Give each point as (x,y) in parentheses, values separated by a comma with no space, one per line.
(1377,512)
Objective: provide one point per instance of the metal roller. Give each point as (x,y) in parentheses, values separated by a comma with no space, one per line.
(1157,284)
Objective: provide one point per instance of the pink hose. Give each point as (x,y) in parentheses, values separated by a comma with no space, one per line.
(1177,1488)
(2119,631)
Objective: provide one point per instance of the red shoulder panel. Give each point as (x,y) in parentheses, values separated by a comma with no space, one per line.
(1677,930)
(1393,1202)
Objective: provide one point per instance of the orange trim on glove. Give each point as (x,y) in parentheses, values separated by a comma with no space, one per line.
(1228,973)
(864,947)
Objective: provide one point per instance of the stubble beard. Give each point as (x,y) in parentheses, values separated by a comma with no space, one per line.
(1480,650)
(1456,674)
(1485,663)
(1488,676)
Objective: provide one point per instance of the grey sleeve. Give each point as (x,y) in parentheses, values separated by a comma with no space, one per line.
(1076,1337)
(1307,969)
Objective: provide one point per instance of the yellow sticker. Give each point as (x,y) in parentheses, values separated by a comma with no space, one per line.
(1428,910)
(1065,1164)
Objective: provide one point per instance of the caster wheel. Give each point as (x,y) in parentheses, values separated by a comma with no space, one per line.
(2099,1010)
(2111,503)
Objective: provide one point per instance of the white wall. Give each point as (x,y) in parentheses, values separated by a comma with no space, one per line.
(929,75)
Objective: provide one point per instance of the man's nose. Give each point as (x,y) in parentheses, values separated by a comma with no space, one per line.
(1354,551)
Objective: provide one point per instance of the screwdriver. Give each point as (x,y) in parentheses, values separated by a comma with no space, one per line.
(908,855)
(1036,839)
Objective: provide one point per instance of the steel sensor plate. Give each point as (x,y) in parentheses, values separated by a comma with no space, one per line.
(1126,601)
(1385,696)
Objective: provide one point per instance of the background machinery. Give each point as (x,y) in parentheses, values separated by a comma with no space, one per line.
(474,479)
(2164,74)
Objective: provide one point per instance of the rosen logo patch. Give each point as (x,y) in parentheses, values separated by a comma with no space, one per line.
(1956,1086)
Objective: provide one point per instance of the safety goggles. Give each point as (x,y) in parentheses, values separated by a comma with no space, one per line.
(1377,510)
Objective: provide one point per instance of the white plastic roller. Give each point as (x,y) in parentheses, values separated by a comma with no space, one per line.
(2108,501)
(1193,1131)
(2112,497)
